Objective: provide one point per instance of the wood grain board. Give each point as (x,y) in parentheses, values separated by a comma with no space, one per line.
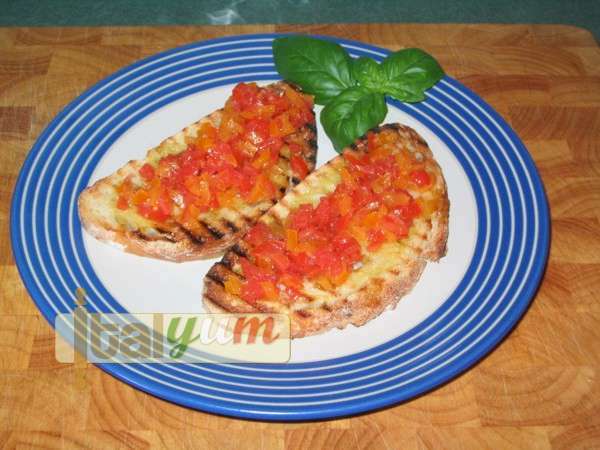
(539,389)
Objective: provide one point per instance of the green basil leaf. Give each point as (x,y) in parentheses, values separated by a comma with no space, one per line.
(351,114)
(405,92)
(409,73)
(369,74)
(321,68)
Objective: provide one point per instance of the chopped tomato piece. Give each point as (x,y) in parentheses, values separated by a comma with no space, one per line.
(299,167)
(257,131)
(245,95)
(252,291)
(233,285)
(281,126)
(292,239)
(269,290)
(376,239)
(420,178)
(147,172)
(207,136)
(122,202)
(371,141)
(262,190)
(198,186)
(263,159)
(293,282)
(139,197)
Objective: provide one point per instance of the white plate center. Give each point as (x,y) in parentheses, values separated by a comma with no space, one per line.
(146,285)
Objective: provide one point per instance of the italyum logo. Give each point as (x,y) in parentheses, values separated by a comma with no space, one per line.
(171,338)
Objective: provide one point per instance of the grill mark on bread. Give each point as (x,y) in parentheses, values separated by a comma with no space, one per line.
(214,299)
(232,226)
(303,313)
(140,235)
(214,232)
(162,236)
(238,250)
(193,237)
(166,235)
(227,262)
(213,275)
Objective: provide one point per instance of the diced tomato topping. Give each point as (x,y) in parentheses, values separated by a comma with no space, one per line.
(323,243)
(299,167)
(122,202)
(147,172)
(420,178)
(371,141)
(233,285)
(245,95)
(376,239)
(225,163)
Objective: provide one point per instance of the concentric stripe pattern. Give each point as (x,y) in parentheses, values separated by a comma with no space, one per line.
(508,261)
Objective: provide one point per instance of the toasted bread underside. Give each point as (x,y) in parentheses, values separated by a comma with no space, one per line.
(215,231)
(384,278)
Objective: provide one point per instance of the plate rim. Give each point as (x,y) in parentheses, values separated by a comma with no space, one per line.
(483,348)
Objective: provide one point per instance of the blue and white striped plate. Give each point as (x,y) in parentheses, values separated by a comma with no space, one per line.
(460,309)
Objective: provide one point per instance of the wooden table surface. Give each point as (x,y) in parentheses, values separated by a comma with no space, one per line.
(539,389)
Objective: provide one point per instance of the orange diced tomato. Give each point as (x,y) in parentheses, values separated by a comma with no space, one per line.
(262,159)
(139,197)
(198,186)
(344,203)
(292,282)
(340,278)
(269,290)
(291,239)
(325,283)
(281,126)
(233,285)
(122,202)
(262,190)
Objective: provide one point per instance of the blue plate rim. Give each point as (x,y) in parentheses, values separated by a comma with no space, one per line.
(450,372)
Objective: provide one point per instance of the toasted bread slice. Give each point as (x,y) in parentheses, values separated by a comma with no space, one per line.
(211,230)
(379,281)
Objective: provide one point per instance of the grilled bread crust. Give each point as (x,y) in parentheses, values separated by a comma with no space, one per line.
(386,276)
(215,232)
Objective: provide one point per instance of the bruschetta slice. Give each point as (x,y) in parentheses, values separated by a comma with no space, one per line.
(199,191)
(345,244)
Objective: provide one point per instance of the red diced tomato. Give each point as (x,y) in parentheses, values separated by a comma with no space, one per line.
(376,239)
(245,95)
(147,172)
(257,131)
(420,178)
(371,141)
(252,291)
(122,202)
(299,167)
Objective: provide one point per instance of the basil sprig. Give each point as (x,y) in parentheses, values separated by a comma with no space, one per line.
(351,114)
(353,90)
(321,68)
